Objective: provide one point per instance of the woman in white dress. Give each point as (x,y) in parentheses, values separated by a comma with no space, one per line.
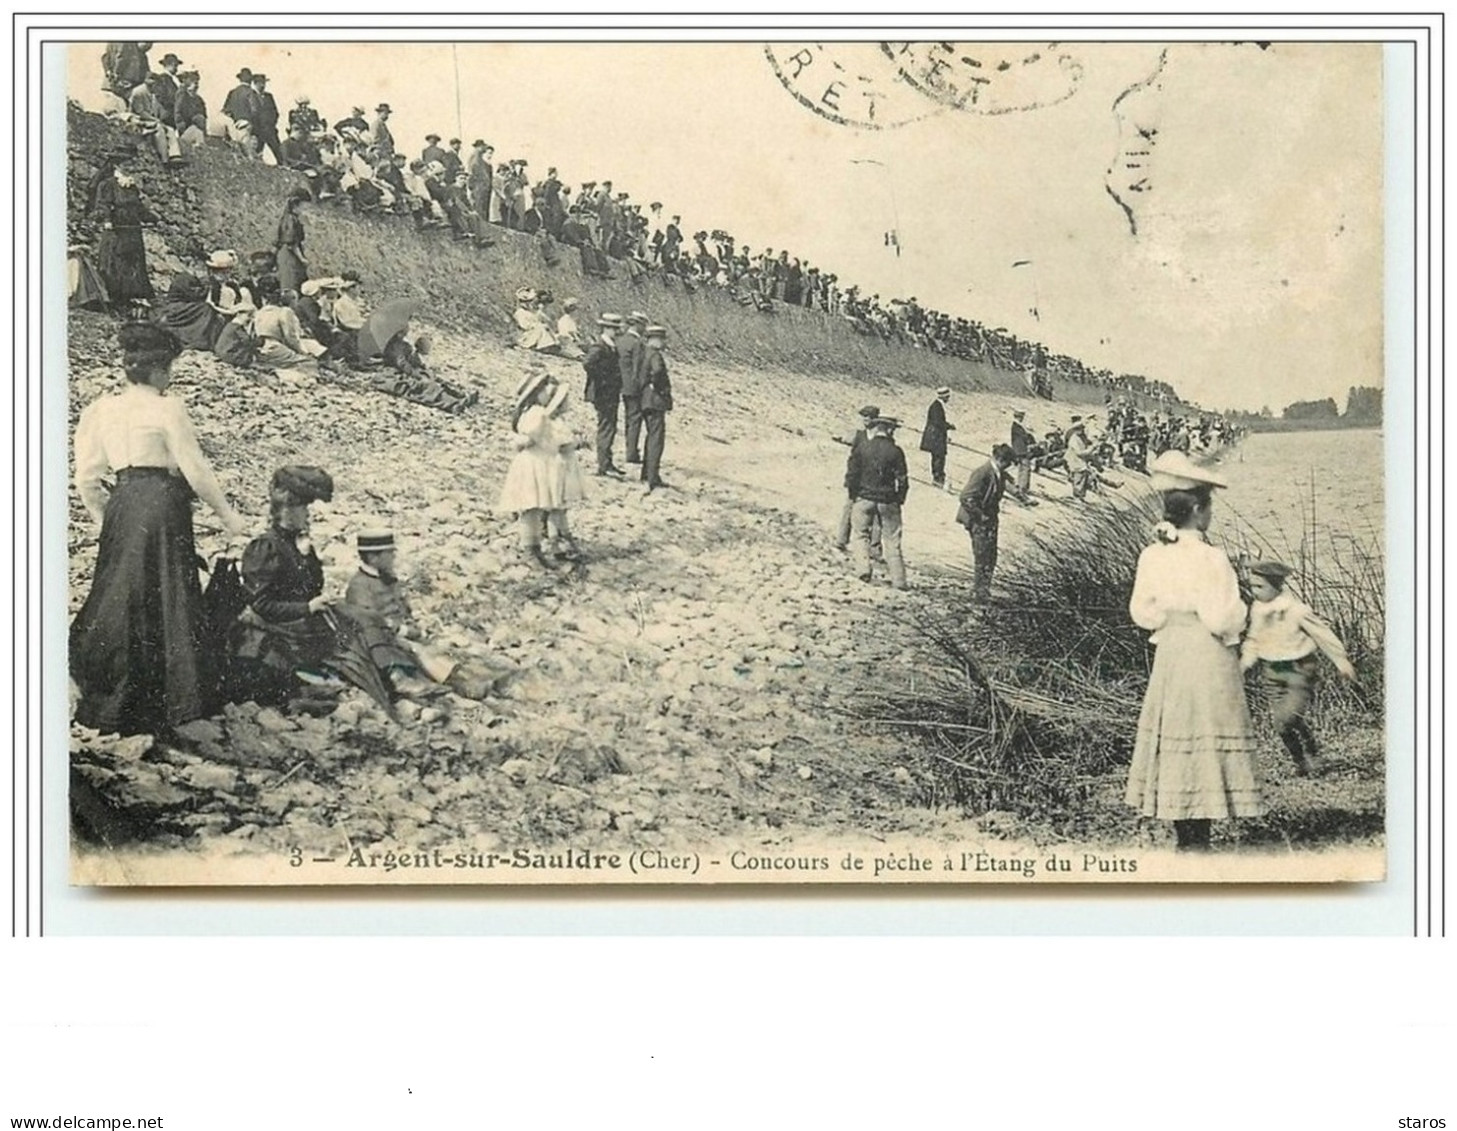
(1193,759)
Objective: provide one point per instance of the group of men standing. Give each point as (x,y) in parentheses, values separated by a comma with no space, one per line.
(625,364)
(877,481)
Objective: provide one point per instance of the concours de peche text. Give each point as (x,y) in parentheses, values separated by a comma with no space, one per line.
(901,865)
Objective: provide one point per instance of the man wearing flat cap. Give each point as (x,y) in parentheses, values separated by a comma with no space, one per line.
(853,440)
(604,388)
(877,479)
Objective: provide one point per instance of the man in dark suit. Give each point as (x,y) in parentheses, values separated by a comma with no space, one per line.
(265,127)
(853,440)
(632,360)
(672,242)
(451,159)
(934,437)
(166,86)
(1022,441)
(384,140)
(604,388)
(657,402)
(432,150)
(479,174)
(877,479)
(241,108)
(980,513)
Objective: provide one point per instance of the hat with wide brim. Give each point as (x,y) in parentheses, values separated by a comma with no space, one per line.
(558,399)
(223,258)
(885,422)
(301,484)
(870,411)
(1175,471)
(610,321)
(529,386)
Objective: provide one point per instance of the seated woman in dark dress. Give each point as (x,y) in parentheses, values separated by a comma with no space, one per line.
(283,630)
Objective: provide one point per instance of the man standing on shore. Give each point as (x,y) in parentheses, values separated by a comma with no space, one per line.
(935,438)
(877,479)
(980,513)
(1021,445)
(657,402)
(604,387)
(853,440)
(631,357)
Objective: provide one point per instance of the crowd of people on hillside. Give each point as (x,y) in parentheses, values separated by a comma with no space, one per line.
(357,160)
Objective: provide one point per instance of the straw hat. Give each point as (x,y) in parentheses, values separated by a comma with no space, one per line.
(529,386)
(1174,471)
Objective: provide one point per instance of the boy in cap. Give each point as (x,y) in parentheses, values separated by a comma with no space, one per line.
(1284,634)
(877,479)
(375,600)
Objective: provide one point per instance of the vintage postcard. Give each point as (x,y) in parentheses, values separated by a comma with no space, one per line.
(872,463)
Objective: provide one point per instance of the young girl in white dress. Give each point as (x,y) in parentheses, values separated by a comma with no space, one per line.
(544,478)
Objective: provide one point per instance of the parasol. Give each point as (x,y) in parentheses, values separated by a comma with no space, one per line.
(386,321)
(351,661)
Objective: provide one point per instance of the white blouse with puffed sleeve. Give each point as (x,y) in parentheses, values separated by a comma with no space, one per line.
(1187,576)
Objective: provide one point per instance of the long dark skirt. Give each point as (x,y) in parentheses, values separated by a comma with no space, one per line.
(136,643)
(292,271)
(121,261)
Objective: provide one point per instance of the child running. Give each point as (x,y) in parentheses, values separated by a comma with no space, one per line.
(1284,634)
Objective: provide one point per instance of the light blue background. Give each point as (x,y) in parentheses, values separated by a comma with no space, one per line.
(1384,908)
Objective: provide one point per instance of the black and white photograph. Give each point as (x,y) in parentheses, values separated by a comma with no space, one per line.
(740,462)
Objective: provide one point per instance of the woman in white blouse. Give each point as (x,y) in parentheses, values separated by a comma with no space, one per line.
(1193,760)
(136,648)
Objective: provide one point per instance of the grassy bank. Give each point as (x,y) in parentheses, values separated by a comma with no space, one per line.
(1029,708)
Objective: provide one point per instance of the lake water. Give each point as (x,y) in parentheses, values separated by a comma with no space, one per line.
(1282,484)
(1316,500)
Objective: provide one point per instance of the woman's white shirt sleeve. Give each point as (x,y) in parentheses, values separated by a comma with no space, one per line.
(193,464)
(91,462)
(1187,576)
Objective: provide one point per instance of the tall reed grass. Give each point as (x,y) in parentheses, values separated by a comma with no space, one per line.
(1031,705)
